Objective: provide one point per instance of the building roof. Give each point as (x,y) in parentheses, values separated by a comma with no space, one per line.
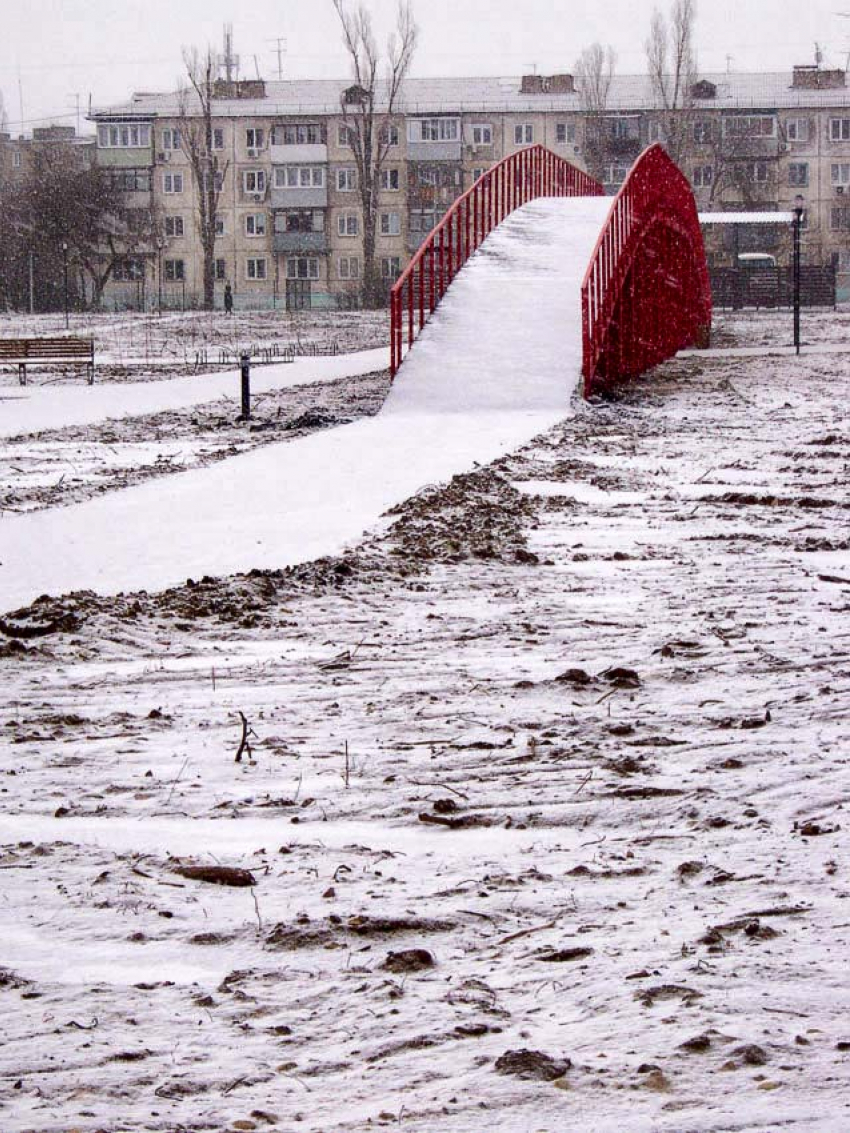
(760,90)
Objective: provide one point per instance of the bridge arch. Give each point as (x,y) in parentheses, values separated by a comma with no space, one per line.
(646,293)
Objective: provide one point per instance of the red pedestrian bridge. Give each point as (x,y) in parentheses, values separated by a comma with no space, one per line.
(644,293)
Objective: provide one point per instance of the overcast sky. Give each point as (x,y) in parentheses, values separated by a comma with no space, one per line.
(108,48)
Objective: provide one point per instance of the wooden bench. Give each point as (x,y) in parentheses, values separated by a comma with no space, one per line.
(22,352)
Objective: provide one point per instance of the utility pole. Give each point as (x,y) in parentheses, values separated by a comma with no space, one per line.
(32,281)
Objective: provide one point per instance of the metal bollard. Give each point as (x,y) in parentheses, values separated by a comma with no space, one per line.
(246,387)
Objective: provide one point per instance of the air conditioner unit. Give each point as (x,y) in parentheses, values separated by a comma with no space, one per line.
(840,190)
(164,155)
(253,153)
(257,197)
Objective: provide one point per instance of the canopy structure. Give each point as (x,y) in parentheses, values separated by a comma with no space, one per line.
(746,217)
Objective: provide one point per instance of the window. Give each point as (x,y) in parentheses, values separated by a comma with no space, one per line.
(175,271)
(390,224)
(128,271)
(302,134)
(839,129)
(16,159)
(170,139)
(345,136)
(751,126)
(798,173)
(255,224)
(219,224)
(703,176)
(135,136)
(565,132)
(433,130)
(254,181)
(482,135)
(349,267)
(654,131)
(422,220)
(752,172)
(130,180)
(390,180)
(390,267)
(218,180)
(625,129)
(389,136)
(172,183)
(348,224)
(255,269)
(346,179)
(523,134)
(299,177)
(614,174)
(797,129)
(218,138)
(839,218)
(476,173)
(302,267)
(174,226)
(220,271)
(255,137)
(841,174)
(300,220)
(702,133)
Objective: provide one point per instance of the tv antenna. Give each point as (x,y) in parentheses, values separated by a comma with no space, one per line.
(228,60)
(280,51)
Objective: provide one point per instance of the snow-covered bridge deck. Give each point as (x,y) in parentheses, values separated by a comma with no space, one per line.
(497,364)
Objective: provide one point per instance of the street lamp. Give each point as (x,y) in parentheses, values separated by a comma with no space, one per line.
(160,244)
(65,273)
(799,205)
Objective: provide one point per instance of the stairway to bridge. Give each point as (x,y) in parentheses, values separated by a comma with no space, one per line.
(559,286)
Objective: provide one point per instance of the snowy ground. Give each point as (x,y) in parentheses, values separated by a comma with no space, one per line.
(544,810)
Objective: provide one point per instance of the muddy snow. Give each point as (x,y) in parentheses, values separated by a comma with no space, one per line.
(529,812)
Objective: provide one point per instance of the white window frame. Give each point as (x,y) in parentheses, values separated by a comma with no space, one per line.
(172,183)
(523,133)
(177,225)
(220,270)
(839,129)
(255,224)
(259,176)
(840,173)
(565,133)
(703,176)
(433,130)
(732,129)
(346,179)
(299,177)
(476,173)
(218,137)
(16,159)
(796,182)
(256,269)
(220,225)
(127,135)
(255,137)
(797,130)
(170,138)
(389,135)
(702,132)
(482,134)
(388,176)
(389,224)
(343,136)
(173,273)
(348,267)
(390,267)
(293,270)
(348,225)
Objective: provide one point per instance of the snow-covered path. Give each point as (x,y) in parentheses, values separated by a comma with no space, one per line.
(33,408)
(497,364)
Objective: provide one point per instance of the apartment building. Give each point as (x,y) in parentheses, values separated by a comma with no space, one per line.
(289,224)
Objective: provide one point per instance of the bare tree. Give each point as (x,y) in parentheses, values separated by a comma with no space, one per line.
(196,138)
(672,74)
(367,114)
(594,73)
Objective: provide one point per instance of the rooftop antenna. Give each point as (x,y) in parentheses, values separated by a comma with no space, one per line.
(21,99)
(257,68)
(818,55)
(76,97)
(533,67)
(228,60)
(729,59)
(280,51)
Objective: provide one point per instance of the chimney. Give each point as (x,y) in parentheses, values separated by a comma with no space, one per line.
(811,77)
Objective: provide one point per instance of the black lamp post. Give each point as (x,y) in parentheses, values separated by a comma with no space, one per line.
(65,273)
(798,224)
(160,244)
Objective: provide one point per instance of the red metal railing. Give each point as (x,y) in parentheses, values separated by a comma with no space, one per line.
(646,293)
(525,175)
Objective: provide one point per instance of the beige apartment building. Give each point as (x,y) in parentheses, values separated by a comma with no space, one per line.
(289,222)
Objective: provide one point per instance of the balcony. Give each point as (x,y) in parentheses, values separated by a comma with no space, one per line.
(299,198)
(434,151)
(298,155)
(301,243)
